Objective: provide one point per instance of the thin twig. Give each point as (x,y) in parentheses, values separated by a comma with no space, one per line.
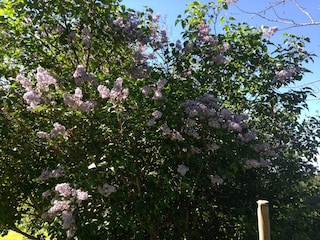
(280,19)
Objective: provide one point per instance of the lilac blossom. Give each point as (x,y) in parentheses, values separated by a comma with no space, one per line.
(224,47)
(67,219)
(43,135)
(44,79)
(103,91)
(58,130)
(146,90)
(64,189)
(117,93)
(178,45)
(81,76)
(182,169)
(150,122)
(214,123)
(71,231)
(78,94)
(75,101)
(216,179)
(69,100)
(165,129)
(86,106)
(263,148)
(157,114)
(46,193)
(175,135)
(86,37)
(157,95)
(220,59)
(46,174)
(80,195)
(80,72)
(234,126)
(269,32)
(32,98)
(225,114)
(285,74)
(192,132)
(232,2)
(59,206)
(161,83)
(25,82)
(247,137)
(107,189)
(213,147)
(203,29)
(195,150)
(253,163)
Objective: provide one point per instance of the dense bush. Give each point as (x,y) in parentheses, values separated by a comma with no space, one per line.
(111,131)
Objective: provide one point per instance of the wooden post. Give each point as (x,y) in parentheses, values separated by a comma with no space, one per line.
(263,219)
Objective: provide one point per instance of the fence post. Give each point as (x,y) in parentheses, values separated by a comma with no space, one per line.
(263,219)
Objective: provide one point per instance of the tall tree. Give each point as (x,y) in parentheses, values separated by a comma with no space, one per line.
(111,131)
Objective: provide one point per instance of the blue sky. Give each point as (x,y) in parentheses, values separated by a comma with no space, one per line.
(171,8)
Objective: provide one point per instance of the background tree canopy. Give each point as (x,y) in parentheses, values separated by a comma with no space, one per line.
(109,130)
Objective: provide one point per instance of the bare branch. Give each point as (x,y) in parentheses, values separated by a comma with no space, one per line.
(302,9)
(279,19)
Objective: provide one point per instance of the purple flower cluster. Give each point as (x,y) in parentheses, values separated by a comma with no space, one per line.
(44,80)
(269,32)
(107,189)
(156,90)
(253,163)
(206,107)
(34,95)
(33,98)
(58,130)
(182,169)
(81,76)
(263,148)
(172,133)
(285,74)
(116,94)
(155,115)
(75,101)
(216,179)
(232,2)
(86,37)
(65,201)
(204,34)
(46,174)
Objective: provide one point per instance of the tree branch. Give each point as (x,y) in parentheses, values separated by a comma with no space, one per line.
(280,19)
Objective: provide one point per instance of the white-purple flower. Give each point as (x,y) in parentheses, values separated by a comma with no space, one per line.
(182,169)
(44,79)
(157,114)
(103,91)
(58,130)
(59,206)
(32,98)
(213,147)
(146,90)
(80,72)
(43,135)
(64,189)
(107,189)
(67,219)
(216,179)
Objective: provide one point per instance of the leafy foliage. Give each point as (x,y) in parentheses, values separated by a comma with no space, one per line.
(114,132)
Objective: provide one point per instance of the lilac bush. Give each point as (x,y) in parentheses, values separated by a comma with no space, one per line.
(125,134)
